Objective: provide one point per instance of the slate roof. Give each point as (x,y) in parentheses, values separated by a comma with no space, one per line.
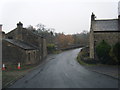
(21,44)
(106,25)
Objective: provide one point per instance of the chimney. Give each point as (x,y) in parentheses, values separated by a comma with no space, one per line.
(3,34)
(92,17)
(19,25)
(19,31)
(0,27)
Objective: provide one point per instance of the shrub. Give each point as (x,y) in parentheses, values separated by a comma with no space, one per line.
(102,50)
(116,49)
(83,57)
(50,48)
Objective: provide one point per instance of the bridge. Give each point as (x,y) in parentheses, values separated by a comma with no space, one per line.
(74,47)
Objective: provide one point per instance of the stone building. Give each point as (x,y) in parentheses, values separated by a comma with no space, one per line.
(107,30)
(0,31)
(22,45)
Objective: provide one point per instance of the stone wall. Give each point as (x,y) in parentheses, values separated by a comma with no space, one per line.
(110,37)
(96,37)
(32,57)
(12,54)
(91,37)
(91,44)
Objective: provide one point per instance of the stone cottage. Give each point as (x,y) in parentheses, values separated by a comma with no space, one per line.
(107,29)
(22,45)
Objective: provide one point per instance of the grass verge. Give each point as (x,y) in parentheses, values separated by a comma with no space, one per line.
(83,58)
(57,52)
(12,74)
(82,62)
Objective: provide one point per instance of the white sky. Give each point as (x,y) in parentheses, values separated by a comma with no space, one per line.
(68,16)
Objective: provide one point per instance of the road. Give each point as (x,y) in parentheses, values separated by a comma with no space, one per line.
(63,71)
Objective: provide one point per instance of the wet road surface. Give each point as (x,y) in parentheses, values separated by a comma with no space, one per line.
(63,71)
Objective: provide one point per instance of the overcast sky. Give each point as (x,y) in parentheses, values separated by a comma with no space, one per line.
(68,16)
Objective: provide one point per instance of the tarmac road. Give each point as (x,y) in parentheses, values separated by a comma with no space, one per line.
(63,71)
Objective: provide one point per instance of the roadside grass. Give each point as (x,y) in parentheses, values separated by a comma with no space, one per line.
(11,73)
(82,62)
(57,52)
(8,76)
(14,67)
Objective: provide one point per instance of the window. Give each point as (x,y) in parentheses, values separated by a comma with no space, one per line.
(28,56)
(34,55)
(10,37)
